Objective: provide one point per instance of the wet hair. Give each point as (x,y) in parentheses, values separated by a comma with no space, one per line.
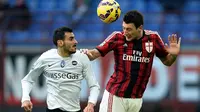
(134,17)
(59,34)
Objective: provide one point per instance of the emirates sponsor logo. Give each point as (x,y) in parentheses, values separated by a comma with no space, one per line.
(136,57)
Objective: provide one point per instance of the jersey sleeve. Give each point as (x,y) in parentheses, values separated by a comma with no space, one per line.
(108,44)
(30,78)
(160,48)
(91,81)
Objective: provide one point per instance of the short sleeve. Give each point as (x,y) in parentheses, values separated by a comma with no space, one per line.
(108,44)
(160,48)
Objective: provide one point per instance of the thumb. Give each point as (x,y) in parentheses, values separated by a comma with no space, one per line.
(31,106)
(166,46)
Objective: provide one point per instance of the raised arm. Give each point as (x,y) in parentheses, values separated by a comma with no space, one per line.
(173,49)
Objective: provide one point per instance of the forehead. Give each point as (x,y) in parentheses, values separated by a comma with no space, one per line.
(129,25)
(69,34)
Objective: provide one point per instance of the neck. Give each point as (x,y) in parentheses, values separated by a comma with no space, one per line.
(141,34)
(62,53)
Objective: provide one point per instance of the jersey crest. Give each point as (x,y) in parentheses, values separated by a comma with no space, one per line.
(62,64)
(149,46)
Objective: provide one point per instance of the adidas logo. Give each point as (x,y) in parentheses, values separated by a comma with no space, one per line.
(125,45)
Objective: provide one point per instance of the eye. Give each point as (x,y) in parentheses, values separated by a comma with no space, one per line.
(71,38)
(128,29)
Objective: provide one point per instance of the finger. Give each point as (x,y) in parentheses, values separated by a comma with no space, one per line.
(26,108)
(172,38)
(82,50)
(166,46)
(91,110)
(179,41)
(30,106)
(85,51)
(169,38)
(175,38)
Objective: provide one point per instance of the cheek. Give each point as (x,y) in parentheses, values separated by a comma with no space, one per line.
(133,33)
(66,45)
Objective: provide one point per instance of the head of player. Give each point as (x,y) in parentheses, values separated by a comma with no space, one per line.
(65,41)
(133,25)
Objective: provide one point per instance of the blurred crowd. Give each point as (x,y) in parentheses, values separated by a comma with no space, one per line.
(17,17)
(23,17)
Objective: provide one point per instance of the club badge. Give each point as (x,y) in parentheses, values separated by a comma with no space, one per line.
(149,46)
(62,64)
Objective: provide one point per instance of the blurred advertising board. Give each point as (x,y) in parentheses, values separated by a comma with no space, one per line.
(178,82)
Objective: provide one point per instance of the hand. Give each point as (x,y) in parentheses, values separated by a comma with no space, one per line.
(87,52)
(89,108)
(27,105)
(174,45)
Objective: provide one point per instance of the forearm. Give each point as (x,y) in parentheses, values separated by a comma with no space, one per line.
(169,59)
(94,93)
(26,89)
(93,54)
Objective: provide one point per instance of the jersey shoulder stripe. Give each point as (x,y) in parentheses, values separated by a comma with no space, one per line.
(150,32)
(112,35)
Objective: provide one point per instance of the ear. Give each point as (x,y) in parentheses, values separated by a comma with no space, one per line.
(140,28)
(60,43)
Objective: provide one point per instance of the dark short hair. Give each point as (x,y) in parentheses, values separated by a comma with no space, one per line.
(59,34)
(134,17)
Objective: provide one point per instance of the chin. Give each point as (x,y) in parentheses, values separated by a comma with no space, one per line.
(73,51)
(129,39)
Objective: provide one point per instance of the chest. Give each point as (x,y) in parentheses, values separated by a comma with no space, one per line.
(139,48)
(62,65)
(61,69)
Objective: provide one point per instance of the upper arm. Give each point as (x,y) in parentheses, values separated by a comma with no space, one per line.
(88,72)
(161,52)
(108,44)
(35,72)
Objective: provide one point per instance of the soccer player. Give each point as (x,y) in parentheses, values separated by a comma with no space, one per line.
(64,68)
(134,49)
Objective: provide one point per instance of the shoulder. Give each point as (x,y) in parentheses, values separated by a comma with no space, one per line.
(115,34)
(80,56)
(48,53)
(152,34)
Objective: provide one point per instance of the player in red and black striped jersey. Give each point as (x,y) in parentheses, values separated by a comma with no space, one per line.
(134,49)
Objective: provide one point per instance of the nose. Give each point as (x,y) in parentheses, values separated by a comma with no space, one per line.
(75,41)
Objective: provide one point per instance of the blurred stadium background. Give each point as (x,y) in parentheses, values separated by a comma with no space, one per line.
(26,31)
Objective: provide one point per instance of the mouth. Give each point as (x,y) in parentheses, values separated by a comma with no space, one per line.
(128,37)
(74,45)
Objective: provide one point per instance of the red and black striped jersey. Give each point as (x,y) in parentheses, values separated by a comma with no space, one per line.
(133,62)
